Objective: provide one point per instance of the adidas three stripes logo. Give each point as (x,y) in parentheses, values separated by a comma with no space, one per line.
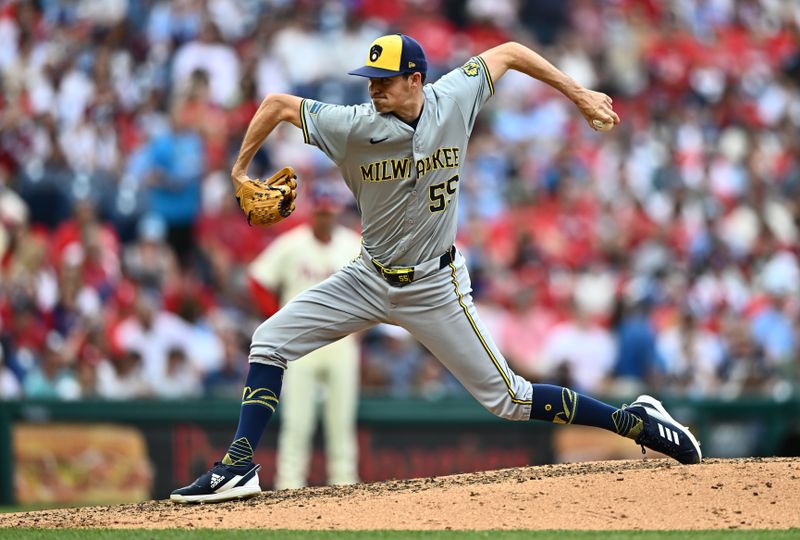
(669,434)
(216,479)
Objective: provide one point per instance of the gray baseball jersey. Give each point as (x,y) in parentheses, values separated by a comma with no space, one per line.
(406,183)
(405,180)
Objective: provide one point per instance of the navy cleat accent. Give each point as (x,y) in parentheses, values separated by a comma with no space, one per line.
(662,433)
(221,483)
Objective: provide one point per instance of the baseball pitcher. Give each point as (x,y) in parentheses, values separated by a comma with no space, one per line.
(401,156)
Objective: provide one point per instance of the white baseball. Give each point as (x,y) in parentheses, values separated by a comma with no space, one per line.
(602,126)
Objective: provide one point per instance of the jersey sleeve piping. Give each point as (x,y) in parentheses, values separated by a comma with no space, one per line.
(488,75)
(303,121)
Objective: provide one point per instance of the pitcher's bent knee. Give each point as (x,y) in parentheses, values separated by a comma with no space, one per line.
(267,360)
(510,408)
(263,350)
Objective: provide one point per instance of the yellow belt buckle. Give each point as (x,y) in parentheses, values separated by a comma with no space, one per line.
(402,275)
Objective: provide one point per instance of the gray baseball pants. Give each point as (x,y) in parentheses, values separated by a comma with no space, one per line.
(436,309)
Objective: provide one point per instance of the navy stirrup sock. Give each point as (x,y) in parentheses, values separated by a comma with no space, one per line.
(564,406)
(259,400)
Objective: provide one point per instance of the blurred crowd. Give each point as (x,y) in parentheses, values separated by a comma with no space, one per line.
(663,254)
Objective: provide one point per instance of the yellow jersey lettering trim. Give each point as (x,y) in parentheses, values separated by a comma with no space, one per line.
(442,158)
(401,169)
(384,165)
(436,158)
(438,200)
(488,76)
(385,170)
(448,157)
(511,393)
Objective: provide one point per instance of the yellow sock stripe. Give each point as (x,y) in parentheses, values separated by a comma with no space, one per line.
(574,397)
(238,453)
(303,121)
(615,421)
(624,423)
(258,402)
(242,441)
(483,342)
(241,444)
(240,450)
(260,398)
(236,460)
(248,393)
(565,405)
(231,460)
(488,75)
(253,396)
(621,425)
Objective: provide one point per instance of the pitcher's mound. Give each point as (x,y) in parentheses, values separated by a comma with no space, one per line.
(646,494)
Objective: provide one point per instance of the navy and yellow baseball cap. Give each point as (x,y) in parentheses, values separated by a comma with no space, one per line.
(393,55)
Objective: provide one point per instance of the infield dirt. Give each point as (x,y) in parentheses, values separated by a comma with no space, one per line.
(647,494)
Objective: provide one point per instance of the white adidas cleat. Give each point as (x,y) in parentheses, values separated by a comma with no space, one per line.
(221,483)
(662,433)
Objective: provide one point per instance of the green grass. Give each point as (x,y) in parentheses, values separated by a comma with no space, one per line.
(203,534)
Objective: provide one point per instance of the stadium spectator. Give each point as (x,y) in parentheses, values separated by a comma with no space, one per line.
(149,261)
(392,359)
(638,364)
(116,112)
(53,377)
(211,55)
(173,165)
(227,381)
(9,384)
(180,380)
(692,356)
(123,378)
(580,351)
(153,333)
(522,330)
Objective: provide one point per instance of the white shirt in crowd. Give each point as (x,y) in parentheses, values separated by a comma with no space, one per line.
(167,331)
(588,351)
(9,385)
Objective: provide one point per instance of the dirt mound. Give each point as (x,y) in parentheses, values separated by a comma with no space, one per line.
(646,494)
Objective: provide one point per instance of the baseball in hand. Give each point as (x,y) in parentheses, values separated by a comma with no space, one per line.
(599,125)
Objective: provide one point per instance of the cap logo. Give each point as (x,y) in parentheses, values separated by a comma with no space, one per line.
(387,56)
(412,65)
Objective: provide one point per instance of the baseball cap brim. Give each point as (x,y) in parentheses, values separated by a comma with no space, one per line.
(370,71)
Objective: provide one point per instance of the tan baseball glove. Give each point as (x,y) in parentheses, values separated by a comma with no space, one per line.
(269,201)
